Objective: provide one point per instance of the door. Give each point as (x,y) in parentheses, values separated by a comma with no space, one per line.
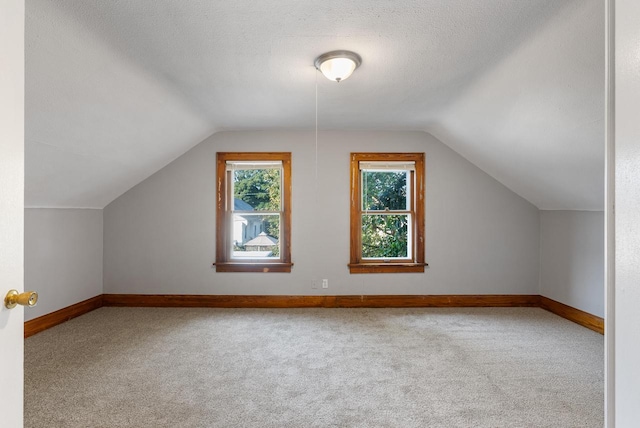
(11,208)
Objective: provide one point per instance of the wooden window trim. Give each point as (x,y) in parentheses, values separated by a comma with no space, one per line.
(253,267)
(357,264)
(223,262)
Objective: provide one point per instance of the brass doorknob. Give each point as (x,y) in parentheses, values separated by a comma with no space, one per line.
(13,298)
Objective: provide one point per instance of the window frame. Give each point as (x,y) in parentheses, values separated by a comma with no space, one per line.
(358,264)
(224,216)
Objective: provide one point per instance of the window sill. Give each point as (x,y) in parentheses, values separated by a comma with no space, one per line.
(387,267)
(253,267)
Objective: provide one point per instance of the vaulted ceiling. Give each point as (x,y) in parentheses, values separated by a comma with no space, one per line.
(117,89)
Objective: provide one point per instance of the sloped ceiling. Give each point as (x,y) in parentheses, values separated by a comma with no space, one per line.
(117,89)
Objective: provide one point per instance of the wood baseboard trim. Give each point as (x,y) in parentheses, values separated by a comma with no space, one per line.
(379,301)
(44,322)
(578,316)
(436,301)
(47,321)
(216,301)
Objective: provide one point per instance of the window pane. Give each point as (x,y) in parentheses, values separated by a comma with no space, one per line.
(256,236)
(384,190)
(256,189)
(385,236)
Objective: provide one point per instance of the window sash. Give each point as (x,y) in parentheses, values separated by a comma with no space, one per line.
(410,228)
(240,255)
(253,165)
(407,167)
(409,183)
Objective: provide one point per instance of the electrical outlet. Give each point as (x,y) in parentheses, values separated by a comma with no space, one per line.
(315,283)
(325,283)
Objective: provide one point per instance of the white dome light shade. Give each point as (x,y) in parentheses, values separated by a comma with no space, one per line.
(337,69)
(338,65)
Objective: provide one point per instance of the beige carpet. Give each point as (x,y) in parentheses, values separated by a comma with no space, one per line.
(483,367)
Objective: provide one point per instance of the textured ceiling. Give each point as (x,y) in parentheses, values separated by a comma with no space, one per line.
(117,89)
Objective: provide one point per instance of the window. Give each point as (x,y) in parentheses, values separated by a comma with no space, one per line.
(387,212)
(253,209)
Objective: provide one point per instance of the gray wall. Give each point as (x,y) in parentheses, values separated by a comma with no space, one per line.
(62,257)
(159,237)
(624,241)
(572,258)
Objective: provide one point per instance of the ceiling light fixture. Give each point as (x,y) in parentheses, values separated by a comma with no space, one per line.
(338,65)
